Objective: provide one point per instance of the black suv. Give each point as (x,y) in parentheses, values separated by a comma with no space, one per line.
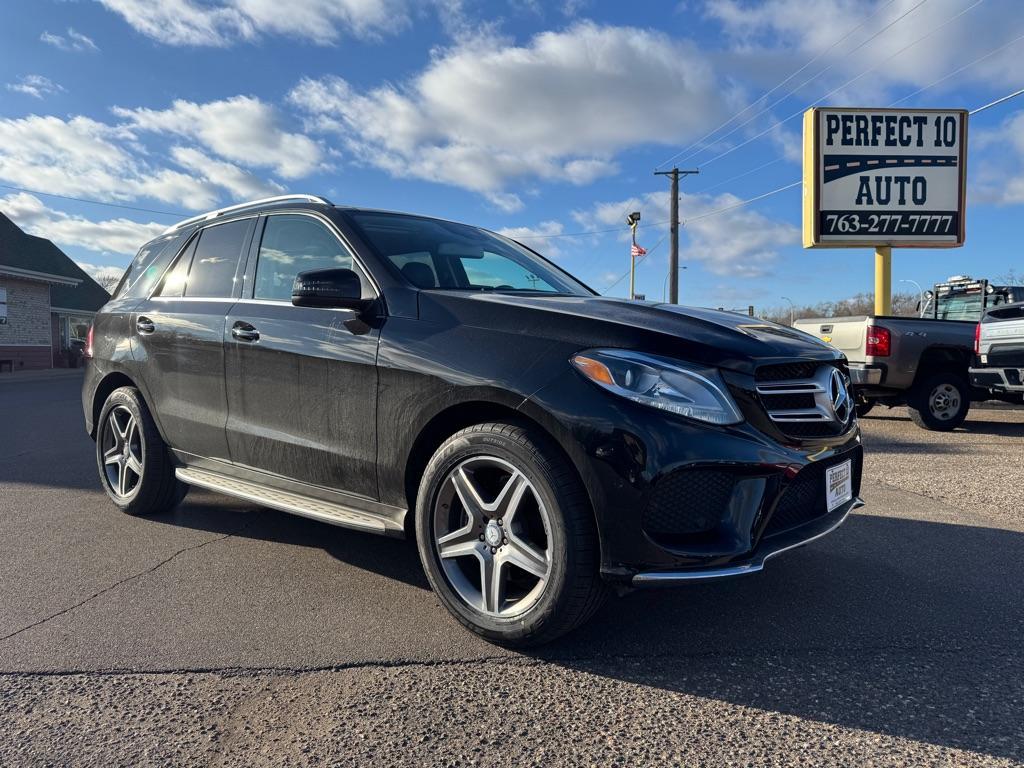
(416,377)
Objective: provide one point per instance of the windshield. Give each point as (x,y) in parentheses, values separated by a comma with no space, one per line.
(440,254)
(960,306)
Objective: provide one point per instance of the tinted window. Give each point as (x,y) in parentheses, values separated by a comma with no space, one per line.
(216,260)
(148,265)
(290,245)
(174,282)
(459,256)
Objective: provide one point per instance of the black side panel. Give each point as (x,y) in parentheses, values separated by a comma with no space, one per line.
(302,398)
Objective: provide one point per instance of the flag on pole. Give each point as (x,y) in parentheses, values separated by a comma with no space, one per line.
(637,250)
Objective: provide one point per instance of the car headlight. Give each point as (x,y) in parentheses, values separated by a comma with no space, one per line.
(697,393)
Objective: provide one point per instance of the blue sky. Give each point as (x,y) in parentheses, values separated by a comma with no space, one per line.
(535,118)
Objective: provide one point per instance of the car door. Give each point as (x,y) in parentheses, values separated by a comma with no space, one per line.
(178,338)
(301,381)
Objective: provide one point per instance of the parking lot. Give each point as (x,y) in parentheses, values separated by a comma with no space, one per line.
(225,634)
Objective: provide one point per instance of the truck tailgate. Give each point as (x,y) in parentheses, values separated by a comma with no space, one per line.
(844,333)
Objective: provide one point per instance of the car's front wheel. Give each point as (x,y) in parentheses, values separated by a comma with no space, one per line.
(506,535)
(133,461)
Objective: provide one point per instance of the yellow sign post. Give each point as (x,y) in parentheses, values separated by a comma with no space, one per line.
(884,178)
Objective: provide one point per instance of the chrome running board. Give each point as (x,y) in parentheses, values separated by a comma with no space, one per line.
(296,504)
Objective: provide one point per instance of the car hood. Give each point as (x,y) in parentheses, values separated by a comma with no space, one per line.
(709,336)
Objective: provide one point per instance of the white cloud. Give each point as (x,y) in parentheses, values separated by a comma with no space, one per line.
(81,156)
(485,113)
(1000,181)
(36,86)
(241,184)
(738,243)
(781,27)
(242,128)
(111,235)
(538,238)
(187,22)
(73,41)
(106,275)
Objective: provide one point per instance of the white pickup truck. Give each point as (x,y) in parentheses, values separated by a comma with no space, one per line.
(999,348)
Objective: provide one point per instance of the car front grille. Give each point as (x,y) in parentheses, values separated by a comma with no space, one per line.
(687,502)
(806,399)
(804,498)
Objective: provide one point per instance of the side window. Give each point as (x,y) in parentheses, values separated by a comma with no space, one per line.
(216,260)
(174,281)
(147,266)
(294,244)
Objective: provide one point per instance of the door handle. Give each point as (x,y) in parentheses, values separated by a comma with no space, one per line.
(144,325)
(245,332)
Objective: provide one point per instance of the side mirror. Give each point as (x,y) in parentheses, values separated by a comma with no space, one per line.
(336,287)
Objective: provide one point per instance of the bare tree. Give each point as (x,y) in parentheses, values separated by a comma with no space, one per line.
(903,305)
(108,282)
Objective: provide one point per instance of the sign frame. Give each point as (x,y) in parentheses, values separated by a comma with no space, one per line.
(812,182)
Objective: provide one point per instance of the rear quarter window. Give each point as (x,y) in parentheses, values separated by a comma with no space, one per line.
(148,266)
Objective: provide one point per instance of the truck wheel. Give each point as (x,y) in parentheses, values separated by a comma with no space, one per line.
(507,537)
(940,402)
(863,407)
(133,461)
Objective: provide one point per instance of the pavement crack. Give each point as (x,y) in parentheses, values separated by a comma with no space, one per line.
(116,584)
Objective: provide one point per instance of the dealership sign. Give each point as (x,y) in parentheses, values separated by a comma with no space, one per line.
(884,177)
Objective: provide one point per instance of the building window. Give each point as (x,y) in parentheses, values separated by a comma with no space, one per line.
(3,306)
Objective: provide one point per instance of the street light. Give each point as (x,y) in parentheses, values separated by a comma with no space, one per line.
(920,295)
(792,310)
(632,220)
(664,288)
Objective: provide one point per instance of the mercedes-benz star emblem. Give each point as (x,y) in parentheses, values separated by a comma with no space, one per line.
(839,396)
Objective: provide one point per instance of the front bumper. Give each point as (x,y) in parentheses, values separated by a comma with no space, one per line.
(1000,379)
(768,549)
(676,500)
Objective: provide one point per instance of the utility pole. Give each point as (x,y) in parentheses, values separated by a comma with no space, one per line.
(673,257)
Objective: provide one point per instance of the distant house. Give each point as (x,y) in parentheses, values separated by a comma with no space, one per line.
(46,302)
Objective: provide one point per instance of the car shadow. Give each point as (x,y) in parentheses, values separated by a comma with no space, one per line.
(889,625)
(907,628)
(207,511)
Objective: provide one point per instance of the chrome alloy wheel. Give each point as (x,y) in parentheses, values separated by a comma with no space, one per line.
(944,402)
(492,534)
(123,453)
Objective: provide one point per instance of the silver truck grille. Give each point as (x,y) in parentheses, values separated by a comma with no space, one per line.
(822,398)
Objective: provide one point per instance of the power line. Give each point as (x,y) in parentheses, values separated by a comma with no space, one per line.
(851,81)
(958,70)
(768,93)
(175,214)
(811,79)
(991,104)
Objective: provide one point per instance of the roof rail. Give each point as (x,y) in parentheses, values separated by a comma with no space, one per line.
(241,206)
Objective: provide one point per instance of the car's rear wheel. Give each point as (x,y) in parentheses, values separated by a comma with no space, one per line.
(133,461)
(506,535)
(940,402)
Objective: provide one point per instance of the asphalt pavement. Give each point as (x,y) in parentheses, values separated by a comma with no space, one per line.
(227,634)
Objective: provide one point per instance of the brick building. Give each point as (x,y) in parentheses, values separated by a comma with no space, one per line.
(46,302)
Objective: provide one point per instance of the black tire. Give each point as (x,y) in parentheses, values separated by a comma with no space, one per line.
(863,407)
(153,490)
(572,589)
(940,402)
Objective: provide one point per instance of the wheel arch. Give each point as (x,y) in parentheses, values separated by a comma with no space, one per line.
(447,422)
(937,359)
